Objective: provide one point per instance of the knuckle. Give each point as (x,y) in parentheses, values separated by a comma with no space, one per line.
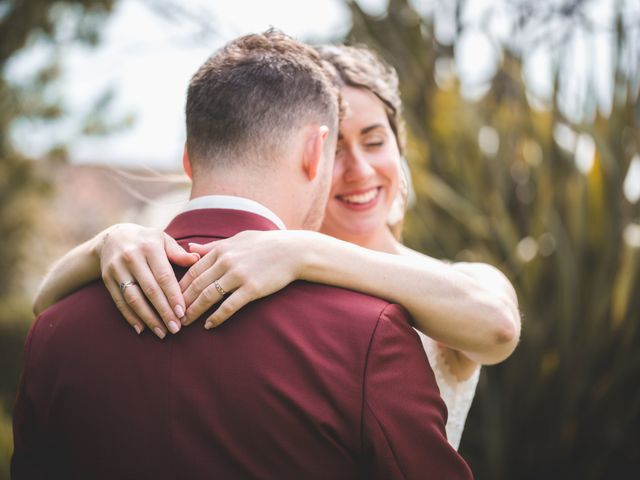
(132,300)
(193,273)
(150,291)
(108,268)
(147,246)
(175,299)
(210,294)
(241,274)
(199,284)
(251,286)
(165,278)
(128,256)
(227,308)
(225,260)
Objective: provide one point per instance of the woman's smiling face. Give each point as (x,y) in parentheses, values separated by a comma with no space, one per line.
(366,171)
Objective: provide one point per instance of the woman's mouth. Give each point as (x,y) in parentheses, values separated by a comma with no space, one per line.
(360,200)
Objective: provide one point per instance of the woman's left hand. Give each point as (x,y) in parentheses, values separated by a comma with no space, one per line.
(240,269)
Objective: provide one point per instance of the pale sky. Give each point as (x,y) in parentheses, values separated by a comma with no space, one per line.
(149,59)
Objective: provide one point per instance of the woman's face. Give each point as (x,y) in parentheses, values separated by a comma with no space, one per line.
(366,171)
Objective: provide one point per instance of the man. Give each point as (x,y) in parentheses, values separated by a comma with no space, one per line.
(312,382)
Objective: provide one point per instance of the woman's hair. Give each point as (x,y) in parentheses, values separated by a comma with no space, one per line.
(360,67)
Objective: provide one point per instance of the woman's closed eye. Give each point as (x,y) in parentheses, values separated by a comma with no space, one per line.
(374,141)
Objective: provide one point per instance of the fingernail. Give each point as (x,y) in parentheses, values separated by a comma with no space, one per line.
(159,332)
(208,325)
(138,329)
(173,327)
(191,245)
(197,255)
(179,311)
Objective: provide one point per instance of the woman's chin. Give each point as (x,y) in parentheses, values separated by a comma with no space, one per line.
(355,231)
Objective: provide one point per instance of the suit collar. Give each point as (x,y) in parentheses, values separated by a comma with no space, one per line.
(217,223)
(233,202)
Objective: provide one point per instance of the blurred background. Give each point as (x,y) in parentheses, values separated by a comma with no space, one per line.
(524,146)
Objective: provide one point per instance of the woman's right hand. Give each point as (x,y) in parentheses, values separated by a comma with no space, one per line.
(142,256)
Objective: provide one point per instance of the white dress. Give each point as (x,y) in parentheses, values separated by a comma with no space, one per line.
(457,395)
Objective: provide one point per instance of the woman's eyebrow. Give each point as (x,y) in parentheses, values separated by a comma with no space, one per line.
(365,130)
(371,127)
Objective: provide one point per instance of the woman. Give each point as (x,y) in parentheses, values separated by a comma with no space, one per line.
(467,313)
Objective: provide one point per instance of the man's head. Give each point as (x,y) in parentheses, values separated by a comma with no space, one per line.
(261,111)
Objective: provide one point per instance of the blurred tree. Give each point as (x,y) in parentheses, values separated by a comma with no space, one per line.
(541,195)
(23,181)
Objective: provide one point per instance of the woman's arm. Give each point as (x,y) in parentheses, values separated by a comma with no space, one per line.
(75,269)
(470,308)
(124,253)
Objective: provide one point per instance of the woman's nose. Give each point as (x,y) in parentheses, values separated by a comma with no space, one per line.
(356,167)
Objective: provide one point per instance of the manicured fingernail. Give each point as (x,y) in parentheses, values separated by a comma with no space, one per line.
(179,311)
(159,332)
(208,325)
(138,329)
(173,327)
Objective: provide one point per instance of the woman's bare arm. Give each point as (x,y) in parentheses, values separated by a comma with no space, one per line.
(70,272)
(469,308)
(124,253)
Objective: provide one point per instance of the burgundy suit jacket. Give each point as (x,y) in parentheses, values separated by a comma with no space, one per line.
(313,382)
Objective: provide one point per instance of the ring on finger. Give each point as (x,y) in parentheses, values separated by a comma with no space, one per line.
(124,285)
(219,288)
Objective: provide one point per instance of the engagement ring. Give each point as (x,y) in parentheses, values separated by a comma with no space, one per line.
(124,285)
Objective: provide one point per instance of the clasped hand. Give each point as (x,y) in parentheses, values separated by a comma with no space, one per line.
(232,272)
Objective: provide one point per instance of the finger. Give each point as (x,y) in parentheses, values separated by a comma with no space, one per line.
(207,298)
(129,315)
(197,269)
(143,274)
(201,249)
(203,281)
(231,305)
(135,300)
(178,255)
(165,277)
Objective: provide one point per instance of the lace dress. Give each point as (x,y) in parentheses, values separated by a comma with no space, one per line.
(457,395)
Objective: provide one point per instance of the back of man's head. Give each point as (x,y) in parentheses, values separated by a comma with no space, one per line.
(247,98)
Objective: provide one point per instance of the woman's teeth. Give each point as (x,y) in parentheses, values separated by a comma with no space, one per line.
(360,198)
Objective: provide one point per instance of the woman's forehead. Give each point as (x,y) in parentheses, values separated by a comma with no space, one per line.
(362,109)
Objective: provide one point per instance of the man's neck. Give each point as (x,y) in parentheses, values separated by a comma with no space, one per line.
(274,202)
(229,202)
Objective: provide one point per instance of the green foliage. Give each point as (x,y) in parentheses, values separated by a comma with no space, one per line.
(23,181)
(6,445)
(565,404)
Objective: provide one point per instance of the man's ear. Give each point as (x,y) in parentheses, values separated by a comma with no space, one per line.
(314,151)
(186,164)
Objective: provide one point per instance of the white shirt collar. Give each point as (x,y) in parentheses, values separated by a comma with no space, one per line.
(234,203)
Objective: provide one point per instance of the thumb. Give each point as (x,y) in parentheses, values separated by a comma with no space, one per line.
(178,255)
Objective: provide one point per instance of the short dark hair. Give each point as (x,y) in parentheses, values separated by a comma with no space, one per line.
(248,96)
